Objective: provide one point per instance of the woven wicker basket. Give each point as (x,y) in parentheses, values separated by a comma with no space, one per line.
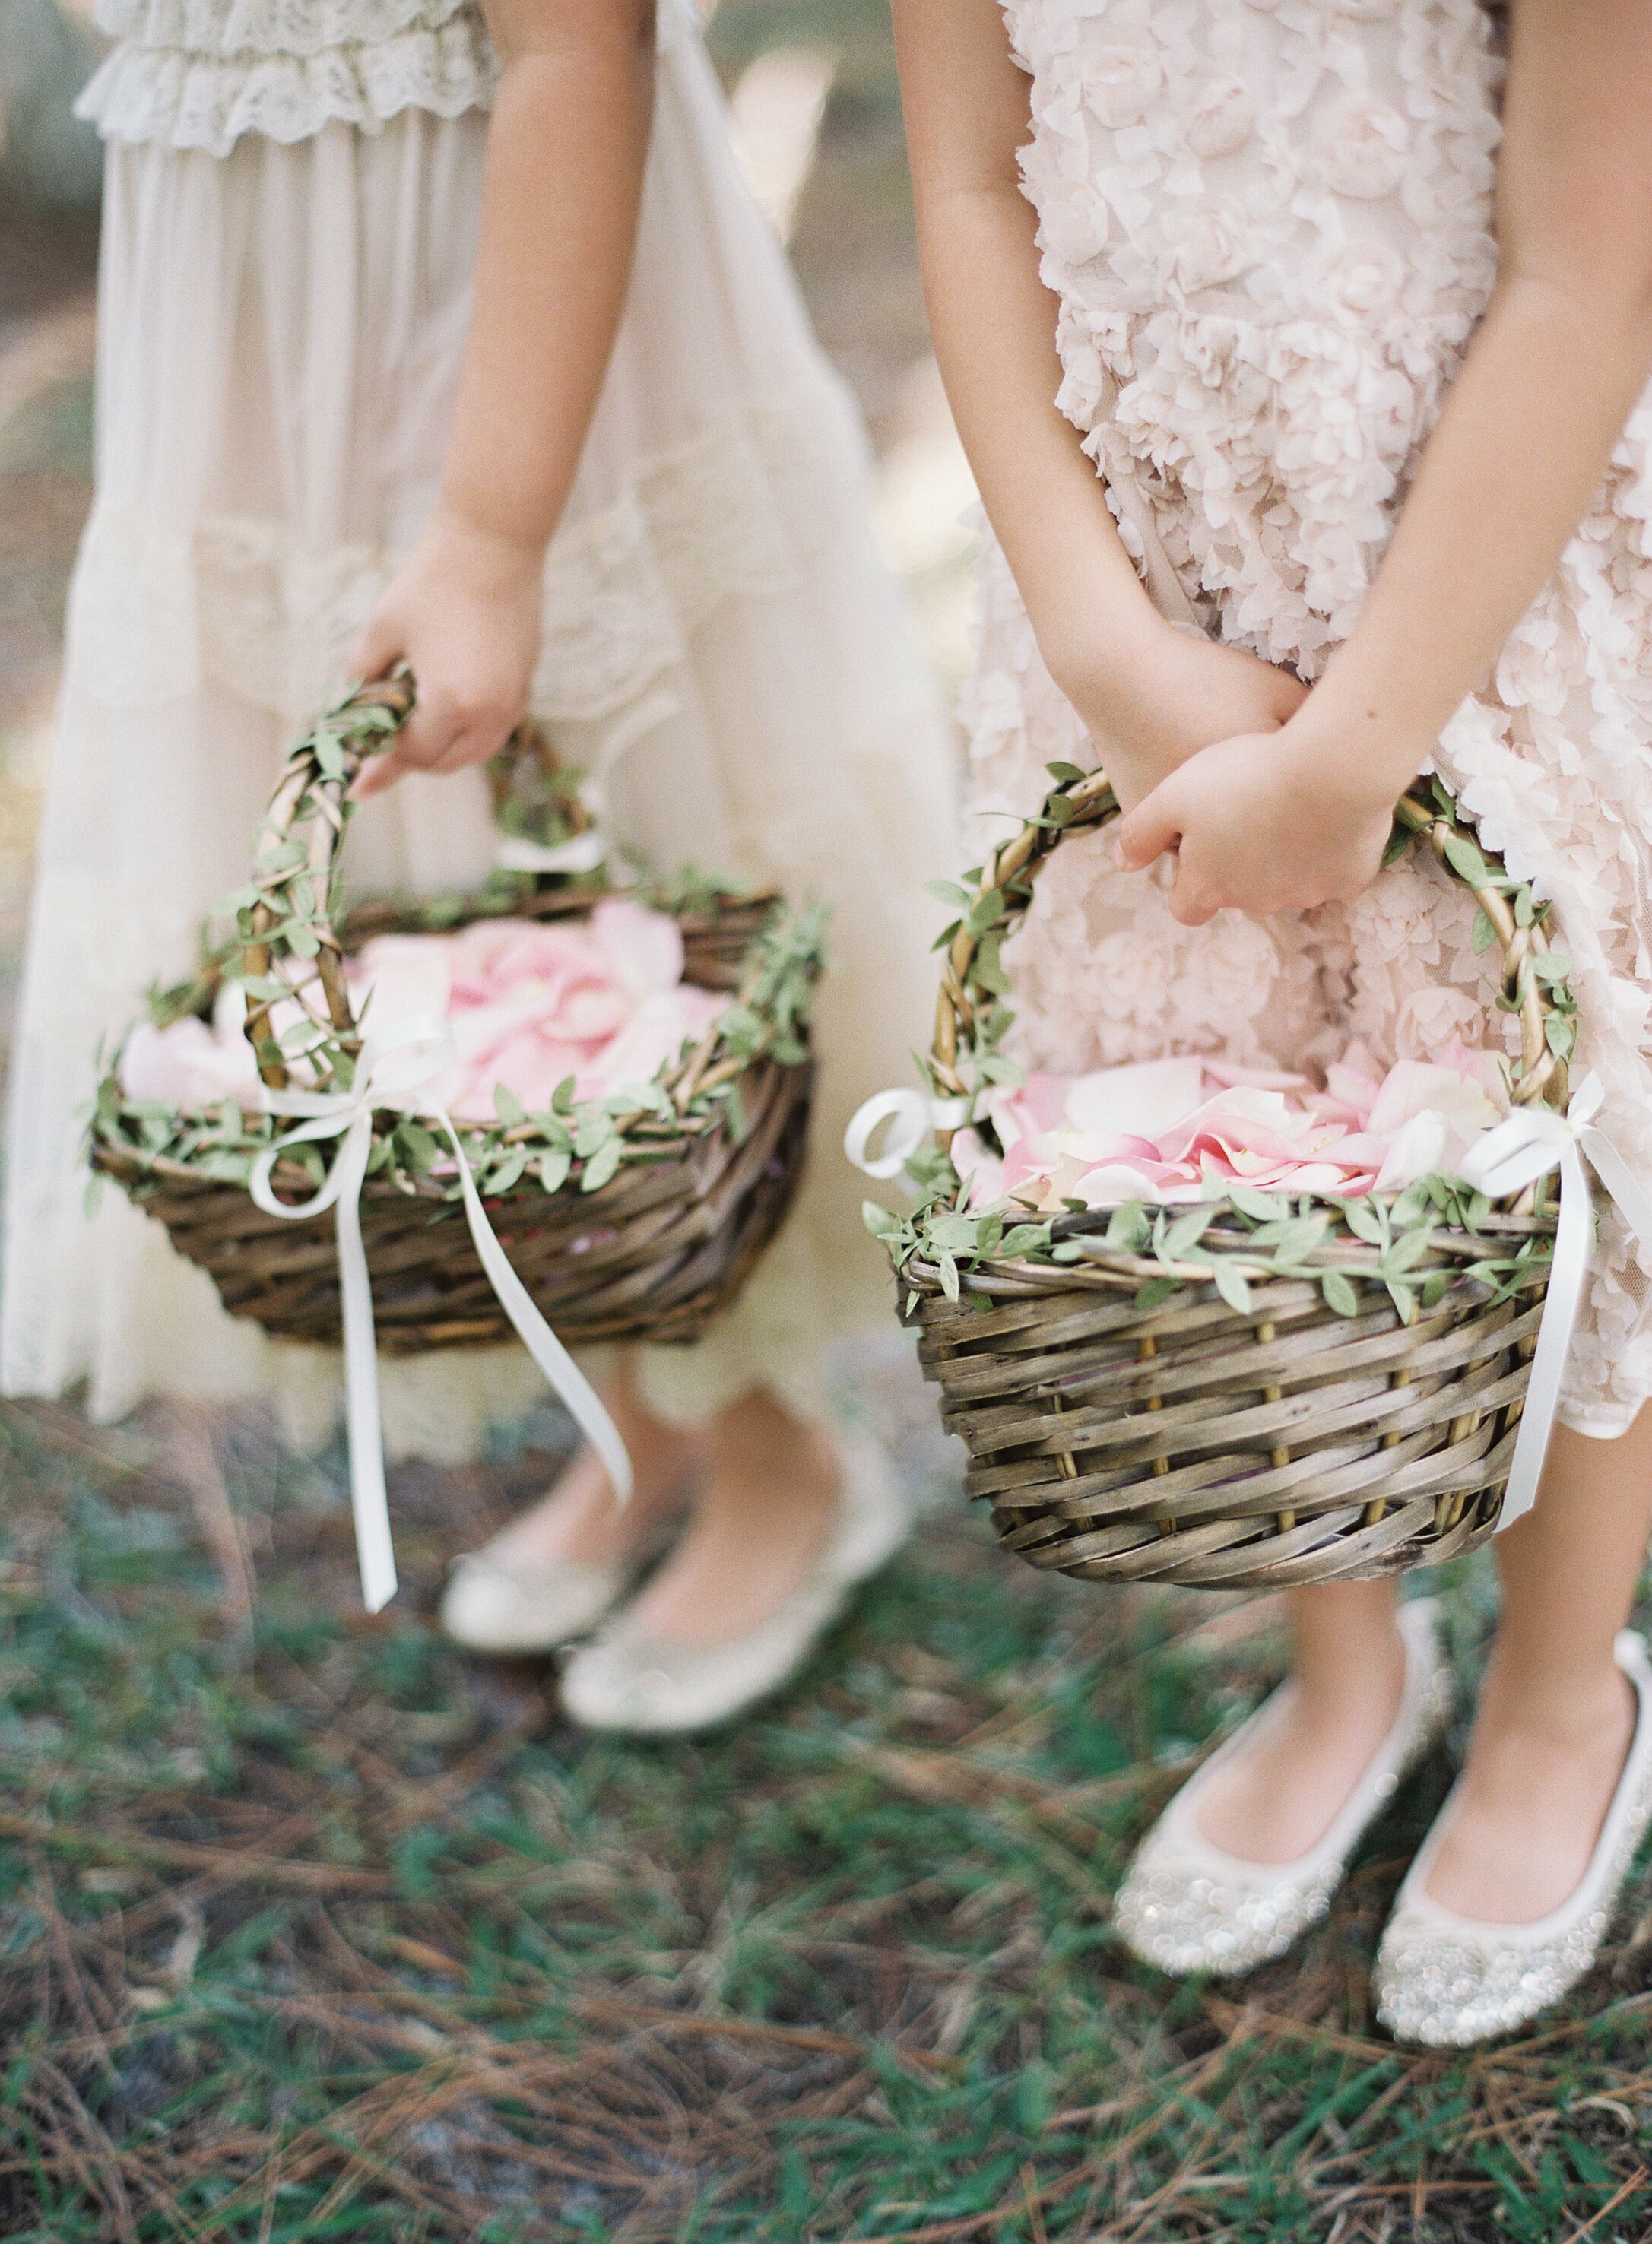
(1139,1406)
(697,1183)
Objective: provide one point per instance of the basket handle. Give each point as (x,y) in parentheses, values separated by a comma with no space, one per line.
(291,946)
(971,985)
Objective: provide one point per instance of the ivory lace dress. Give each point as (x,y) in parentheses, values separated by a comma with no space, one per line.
(1269,225)
(291,208)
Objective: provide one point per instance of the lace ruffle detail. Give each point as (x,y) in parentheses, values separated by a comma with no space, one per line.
(1271,242)
(201,74)
(242,604)
(186,101)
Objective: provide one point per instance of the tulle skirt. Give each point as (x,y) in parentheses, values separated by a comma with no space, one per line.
(280,331)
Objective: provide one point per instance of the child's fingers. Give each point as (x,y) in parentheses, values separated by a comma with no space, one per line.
(378,650)
(1151,828)
(1191,906)
(420,746)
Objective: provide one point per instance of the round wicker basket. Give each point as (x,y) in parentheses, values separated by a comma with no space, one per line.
(1228,1400)
(631,1226)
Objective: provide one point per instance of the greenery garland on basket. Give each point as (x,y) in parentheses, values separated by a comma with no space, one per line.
(292,935)
(1410,1245)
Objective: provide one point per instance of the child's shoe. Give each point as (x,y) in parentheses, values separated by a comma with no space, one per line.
(1185,1906)
(1448,1981)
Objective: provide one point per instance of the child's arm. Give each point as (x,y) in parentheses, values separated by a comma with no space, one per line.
(1518,454)
(1150,695)
(563,181)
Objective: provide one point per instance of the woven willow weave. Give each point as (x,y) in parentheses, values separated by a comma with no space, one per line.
(652,1253)
(1193,1441)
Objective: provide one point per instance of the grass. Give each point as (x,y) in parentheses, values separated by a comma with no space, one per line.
(309,1929)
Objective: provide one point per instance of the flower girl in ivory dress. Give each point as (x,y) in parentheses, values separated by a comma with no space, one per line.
(322,449)
(1299,348)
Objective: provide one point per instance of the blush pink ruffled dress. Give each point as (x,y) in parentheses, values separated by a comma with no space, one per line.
(1269,224)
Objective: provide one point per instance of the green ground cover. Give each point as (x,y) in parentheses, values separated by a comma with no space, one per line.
(309,1929)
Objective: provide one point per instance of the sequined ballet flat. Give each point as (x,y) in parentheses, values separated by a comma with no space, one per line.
(1185,1906)
(626,1680)
(1446,1982)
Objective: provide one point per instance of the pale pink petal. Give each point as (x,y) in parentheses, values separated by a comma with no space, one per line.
(1140,1101)
(187,1067)
(642,950)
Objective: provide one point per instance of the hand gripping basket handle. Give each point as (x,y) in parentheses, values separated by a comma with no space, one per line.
(292,940)
(1085,805)
(294,866)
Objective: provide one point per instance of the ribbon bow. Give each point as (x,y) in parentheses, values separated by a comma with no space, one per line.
(392,1065)
(1531,1143)
(910,1117)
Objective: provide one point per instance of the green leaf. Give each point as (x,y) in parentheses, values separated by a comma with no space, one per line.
(957,1233)
(1484,935)
(508,1172)
(949,892)
(552,1168)
(987,966)
(1339,1292)
(1058,811)
(1466,861)
(1407,1251)
(996,1069)
(602,1164)
(1024,1239)
(415,1147)
(984,912)
(1066,775)
(1551,966)
(1298,1239)
(508,1107)
(1365,1219)
(1066,1250)
(1150,1295)
(948,1269)
(1231,1286)
(1260,1207)
(1185,1233)
(1128,1230)
(881,1222)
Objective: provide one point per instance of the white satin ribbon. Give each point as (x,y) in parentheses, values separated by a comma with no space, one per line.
(582,853)
(1531,1143)
(910,1116)
(392,1065)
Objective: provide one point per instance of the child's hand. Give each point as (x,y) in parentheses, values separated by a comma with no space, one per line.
(1150,705)
(464,613)
(1268,822)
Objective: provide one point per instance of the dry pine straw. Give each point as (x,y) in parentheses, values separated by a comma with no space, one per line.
(309,1929)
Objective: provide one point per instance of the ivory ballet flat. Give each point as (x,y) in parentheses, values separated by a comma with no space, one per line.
(493,1605)
(497,1603)
(629,1680)
(1185,1906)
(1445,1982)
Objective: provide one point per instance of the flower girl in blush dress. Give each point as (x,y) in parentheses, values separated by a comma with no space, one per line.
(1302,380)
(449,333)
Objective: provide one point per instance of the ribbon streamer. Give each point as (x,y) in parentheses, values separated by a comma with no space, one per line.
(392,1065)
(910,1116)
(582,853)
(1531,1143)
